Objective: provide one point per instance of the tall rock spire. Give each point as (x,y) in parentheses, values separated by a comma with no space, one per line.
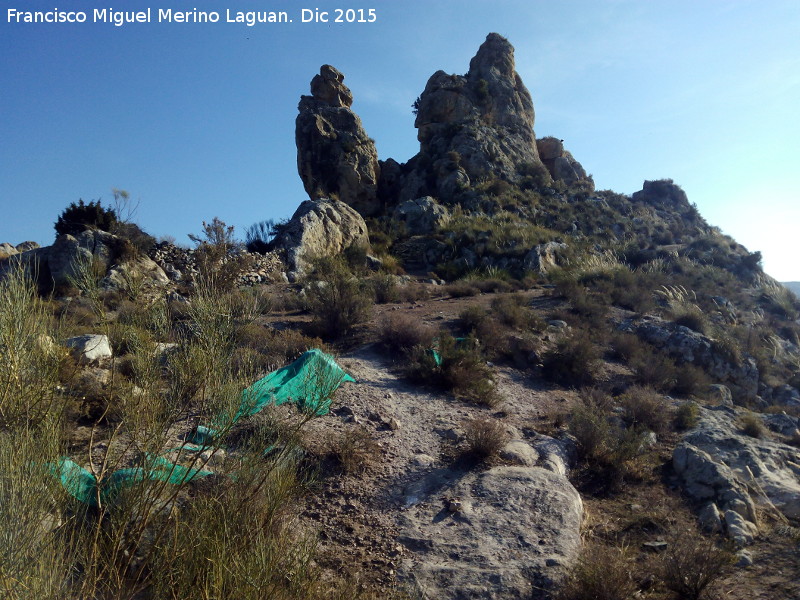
(335,157)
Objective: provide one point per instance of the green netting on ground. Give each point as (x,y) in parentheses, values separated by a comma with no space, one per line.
(84,486)
(309,382)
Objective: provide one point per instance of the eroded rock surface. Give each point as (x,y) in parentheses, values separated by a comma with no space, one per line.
(507,532)
(335,157)
(718,464)
(473,127)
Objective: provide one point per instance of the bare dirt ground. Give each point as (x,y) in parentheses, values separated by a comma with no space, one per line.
(419,431)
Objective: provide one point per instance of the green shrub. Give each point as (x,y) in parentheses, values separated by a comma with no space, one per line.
(572,363)
(686,416)
(460,368)
(338,301)
(79,217)
(218,256)
(644,407)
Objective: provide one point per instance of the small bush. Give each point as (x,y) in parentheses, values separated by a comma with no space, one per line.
(690,380)
(460,368)
(686,416)
(646,408)
(626,345)
(693,318)
(338,301)
(654,369)
(461,289)
(512,310)
(752,425)
(572,363)
(354,449)
(259,236)
(692,564)
(485,437)
(385,288)
(401,332)
(473,317)
(79,217)
(609,452)
(601,573)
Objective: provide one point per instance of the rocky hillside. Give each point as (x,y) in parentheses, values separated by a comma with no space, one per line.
(558,391)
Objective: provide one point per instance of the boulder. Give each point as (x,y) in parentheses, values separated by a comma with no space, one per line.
(90,348)
(720,394)
(25,246)
(58,264)
(317,229)
(543,257)
(519,452)
(92,246)
(421,216)
(335,157)
(142,269)
(508,532)
(665,195)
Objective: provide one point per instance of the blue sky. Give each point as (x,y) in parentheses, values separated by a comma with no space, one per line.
(197,120)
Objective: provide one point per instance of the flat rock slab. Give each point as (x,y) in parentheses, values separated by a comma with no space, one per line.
(516,531)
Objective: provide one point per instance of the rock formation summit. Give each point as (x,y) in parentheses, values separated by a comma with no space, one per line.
(472,129)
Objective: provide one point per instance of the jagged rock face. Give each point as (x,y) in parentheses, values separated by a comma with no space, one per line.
(335,157)
(560,163)
(320,228)
(473,127)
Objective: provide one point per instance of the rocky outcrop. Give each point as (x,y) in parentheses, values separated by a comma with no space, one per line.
(335,157)
(473,128)
(688,346)
(730,473)
(663,194)
(7,249)
(320,228)
(58,263)
(420,216)
(509,532)
(560,163)
(543,257)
